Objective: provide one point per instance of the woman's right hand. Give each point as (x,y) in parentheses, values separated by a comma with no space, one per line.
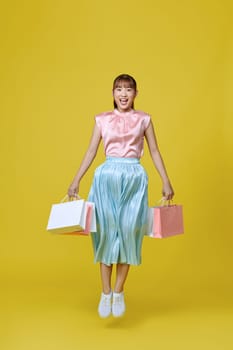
(73,190)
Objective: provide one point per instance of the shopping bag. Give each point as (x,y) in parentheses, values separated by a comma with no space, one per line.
(70,216)
(165,221)
(90,221)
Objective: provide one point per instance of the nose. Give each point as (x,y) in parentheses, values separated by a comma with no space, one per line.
(123,92)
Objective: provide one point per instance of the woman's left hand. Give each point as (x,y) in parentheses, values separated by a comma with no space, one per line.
(167,191)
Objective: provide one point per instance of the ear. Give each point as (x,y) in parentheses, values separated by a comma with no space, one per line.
(136,93)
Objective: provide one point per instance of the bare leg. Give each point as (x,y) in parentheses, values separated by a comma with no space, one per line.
(106,274)
(121,275)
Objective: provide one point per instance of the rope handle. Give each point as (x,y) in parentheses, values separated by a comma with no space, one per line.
(67,198)
(163,202)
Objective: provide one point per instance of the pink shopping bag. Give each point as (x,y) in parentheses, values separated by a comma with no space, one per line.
(167,221)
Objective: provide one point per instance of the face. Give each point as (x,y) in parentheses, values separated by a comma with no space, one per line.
(124,96)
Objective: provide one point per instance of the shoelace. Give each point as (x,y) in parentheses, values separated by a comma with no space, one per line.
(106,301)
(118,300)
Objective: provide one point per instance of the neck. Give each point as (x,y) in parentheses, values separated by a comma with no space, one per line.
(123,110)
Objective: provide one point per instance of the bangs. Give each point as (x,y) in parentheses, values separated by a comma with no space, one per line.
(125,81)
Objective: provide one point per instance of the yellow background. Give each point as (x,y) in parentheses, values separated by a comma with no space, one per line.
(58,61)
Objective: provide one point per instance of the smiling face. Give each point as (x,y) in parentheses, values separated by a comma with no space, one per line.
(124,94)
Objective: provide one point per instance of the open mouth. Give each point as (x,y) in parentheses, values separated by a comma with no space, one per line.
(123,101)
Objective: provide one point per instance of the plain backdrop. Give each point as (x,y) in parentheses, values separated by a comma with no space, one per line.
(58,61)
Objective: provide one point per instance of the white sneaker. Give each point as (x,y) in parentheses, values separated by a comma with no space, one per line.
(105,307)
(118,304)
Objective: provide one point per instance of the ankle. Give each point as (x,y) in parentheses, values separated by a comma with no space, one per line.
(118,291)
(107,291)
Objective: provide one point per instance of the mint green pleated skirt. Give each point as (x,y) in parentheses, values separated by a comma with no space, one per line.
(120,193)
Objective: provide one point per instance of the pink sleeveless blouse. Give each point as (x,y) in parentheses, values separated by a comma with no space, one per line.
(123,132)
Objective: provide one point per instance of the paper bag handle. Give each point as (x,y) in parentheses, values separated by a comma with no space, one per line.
(67,198)
(163,201)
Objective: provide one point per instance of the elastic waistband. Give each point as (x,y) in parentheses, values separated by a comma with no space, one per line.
(122,160)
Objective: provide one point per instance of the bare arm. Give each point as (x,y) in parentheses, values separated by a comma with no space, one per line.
(86,162)
(167,190)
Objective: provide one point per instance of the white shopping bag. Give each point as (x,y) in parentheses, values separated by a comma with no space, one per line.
(150,222)
(67,217)
(90,221)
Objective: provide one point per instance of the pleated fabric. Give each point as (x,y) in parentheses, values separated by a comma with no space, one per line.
(120,193)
